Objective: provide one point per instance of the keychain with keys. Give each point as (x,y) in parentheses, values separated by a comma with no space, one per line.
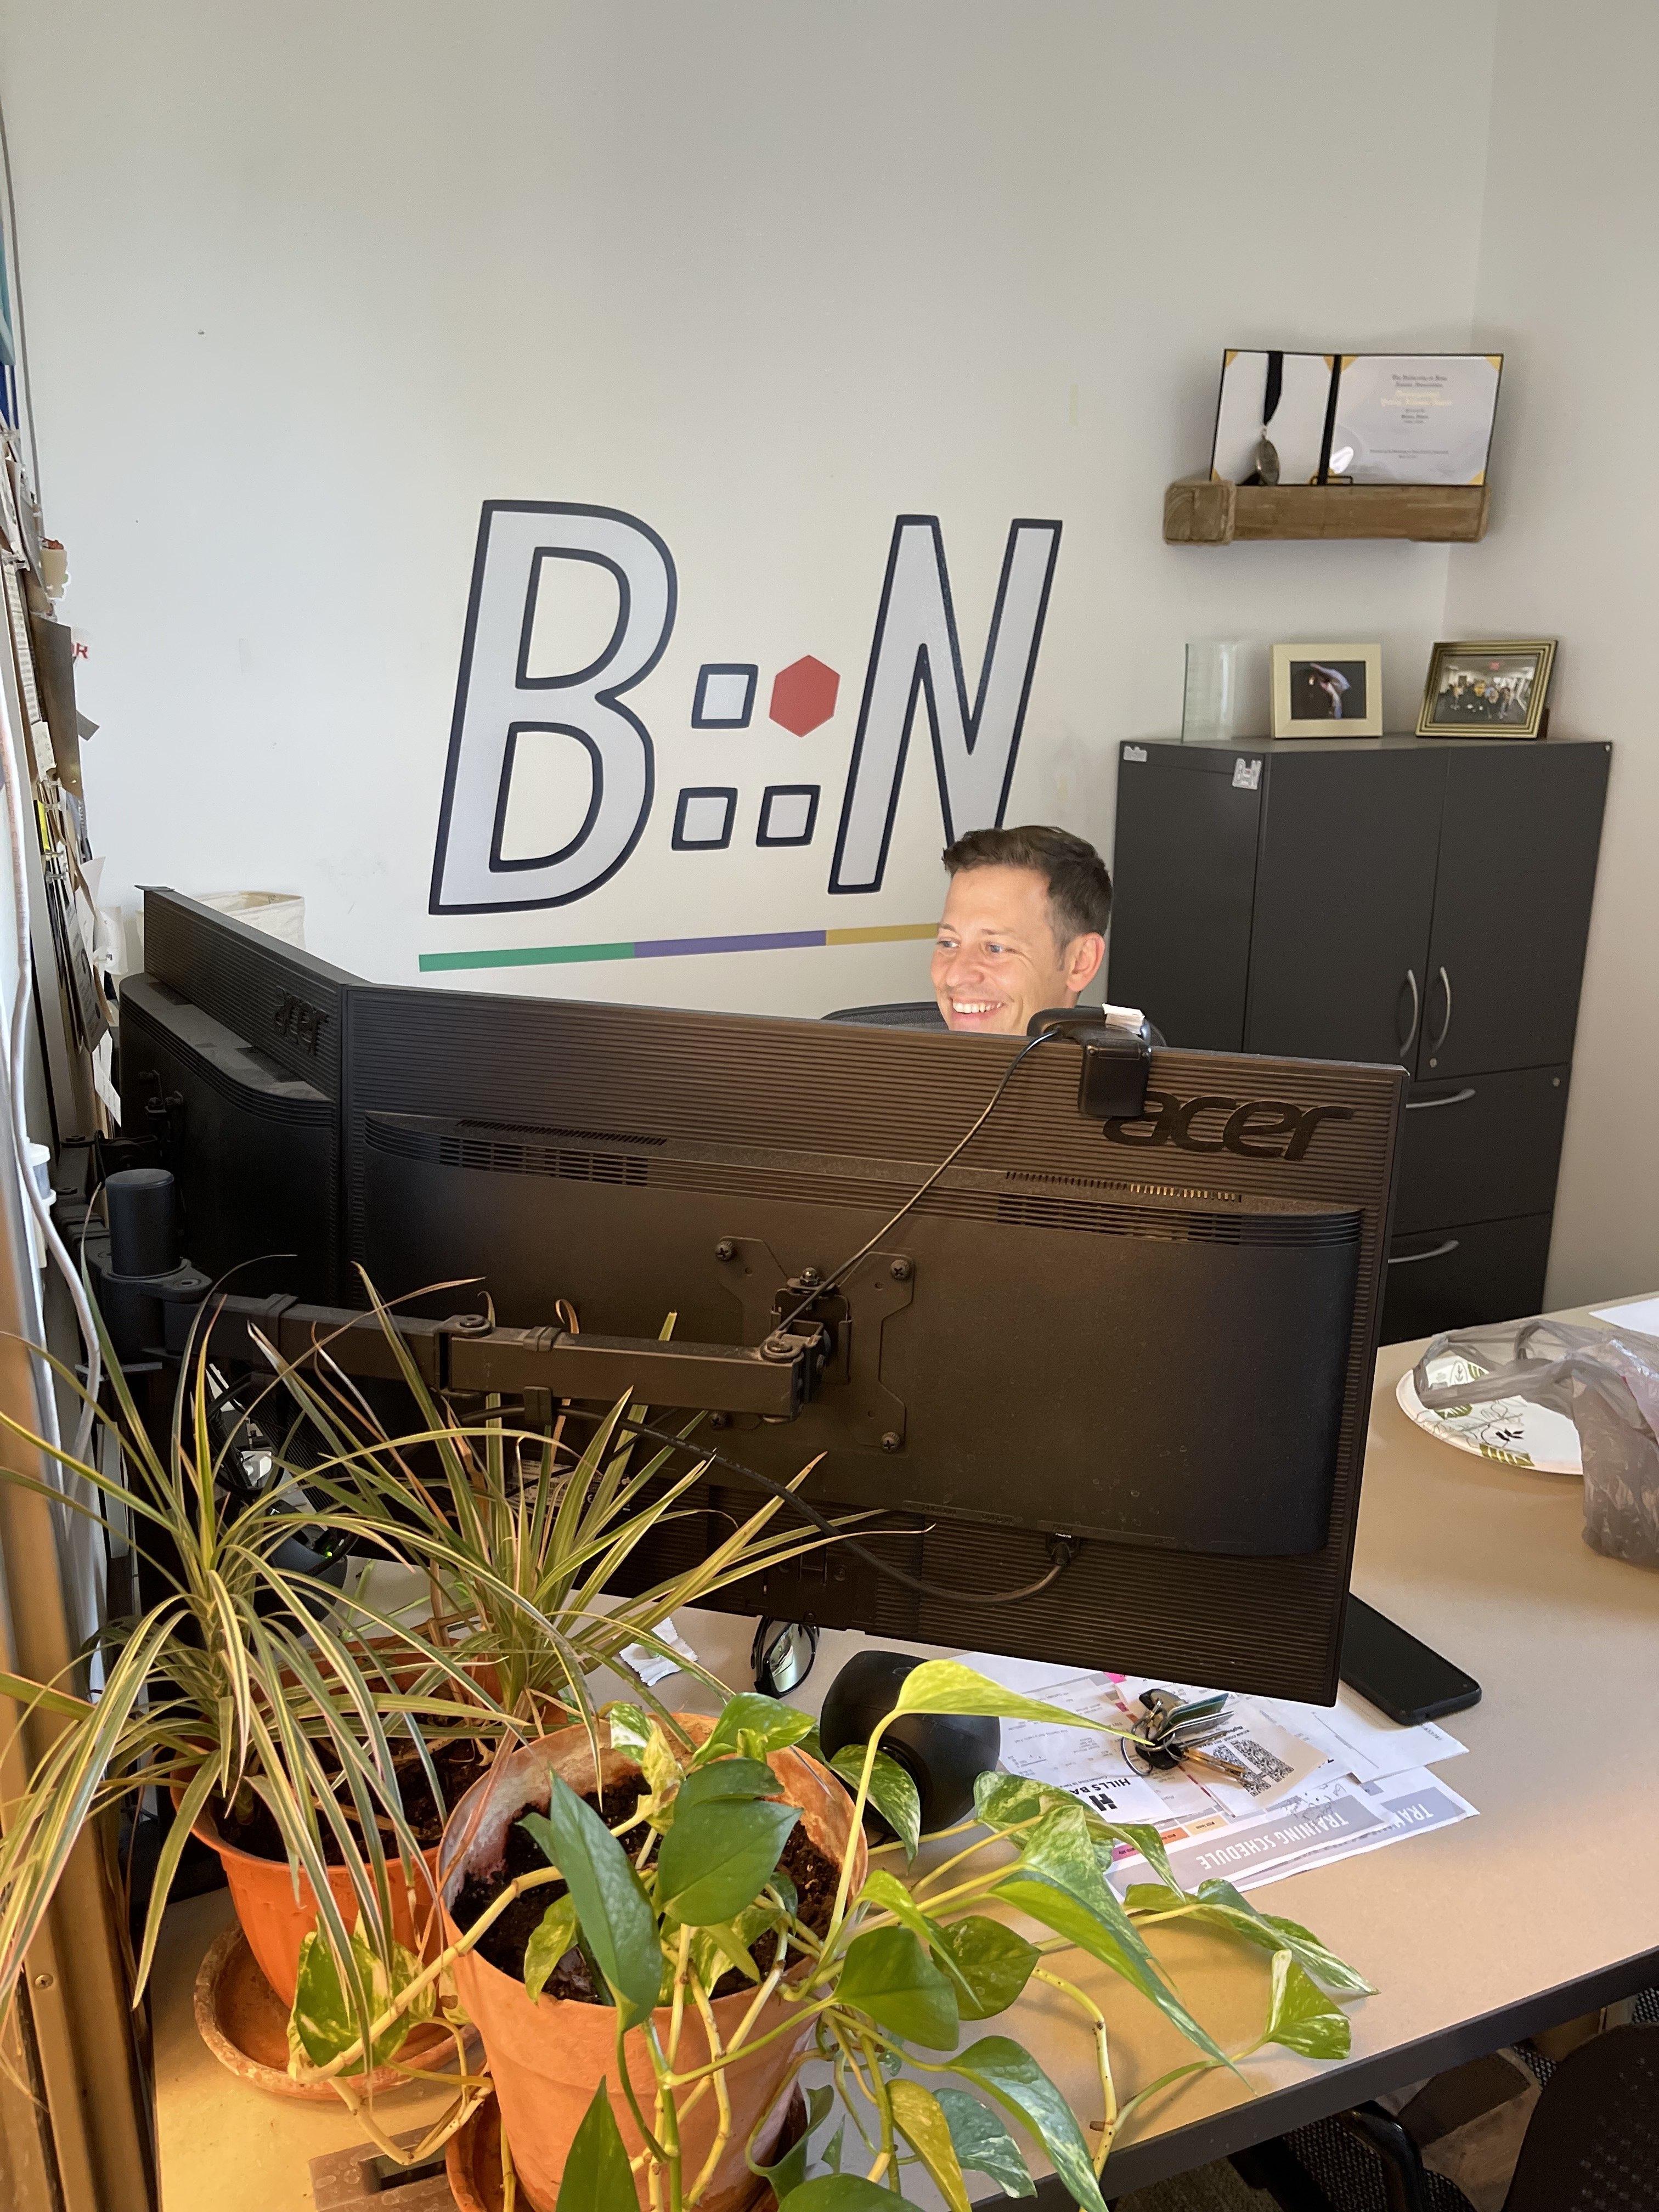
(1174,1732)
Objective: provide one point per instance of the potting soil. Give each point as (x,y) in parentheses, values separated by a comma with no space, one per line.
(252,1828)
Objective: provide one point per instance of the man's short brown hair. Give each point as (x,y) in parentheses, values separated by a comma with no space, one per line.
(1080,886)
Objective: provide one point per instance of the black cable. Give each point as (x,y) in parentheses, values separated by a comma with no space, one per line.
(838,1275)
(1061,1549)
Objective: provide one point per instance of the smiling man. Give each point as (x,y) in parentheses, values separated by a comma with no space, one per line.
(1023,927)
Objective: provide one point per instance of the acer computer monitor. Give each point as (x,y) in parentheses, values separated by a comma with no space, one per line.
(1141,1349)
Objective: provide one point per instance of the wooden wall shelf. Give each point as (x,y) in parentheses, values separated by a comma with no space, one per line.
(1198,512)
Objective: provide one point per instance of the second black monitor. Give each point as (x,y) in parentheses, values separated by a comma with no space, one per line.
(1155,1338)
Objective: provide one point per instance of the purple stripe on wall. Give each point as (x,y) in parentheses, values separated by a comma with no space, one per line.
(663,948)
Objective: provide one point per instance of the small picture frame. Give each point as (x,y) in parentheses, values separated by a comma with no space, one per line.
(1327,692)
(1487,687)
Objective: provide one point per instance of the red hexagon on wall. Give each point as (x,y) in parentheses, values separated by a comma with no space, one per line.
(804,696)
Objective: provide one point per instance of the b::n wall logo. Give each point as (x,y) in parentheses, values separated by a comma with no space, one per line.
(915,664)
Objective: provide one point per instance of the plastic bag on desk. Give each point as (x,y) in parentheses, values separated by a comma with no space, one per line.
(1606,1380)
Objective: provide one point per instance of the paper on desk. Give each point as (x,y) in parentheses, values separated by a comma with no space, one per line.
(1641,1315)
(1332,1821)
(1355,1782)
(653,1666)
(1359,1740)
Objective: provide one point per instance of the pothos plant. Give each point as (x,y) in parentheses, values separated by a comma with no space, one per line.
(881,1992)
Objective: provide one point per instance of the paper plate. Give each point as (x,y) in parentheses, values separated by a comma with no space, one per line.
(1512,1430)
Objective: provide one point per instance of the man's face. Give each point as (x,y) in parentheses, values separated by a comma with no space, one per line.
(996,962)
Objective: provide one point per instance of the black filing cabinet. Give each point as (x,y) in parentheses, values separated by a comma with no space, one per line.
(1413,899)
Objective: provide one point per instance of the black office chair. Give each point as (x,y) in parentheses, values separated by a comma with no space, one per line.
(1592,2144)
(923,1014)
(909,1014)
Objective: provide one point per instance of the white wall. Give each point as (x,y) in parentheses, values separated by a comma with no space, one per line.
(305,285)
(1566,291)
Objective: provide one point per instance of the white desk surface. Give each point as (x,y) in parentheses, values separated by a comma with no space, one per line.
(1553,1884)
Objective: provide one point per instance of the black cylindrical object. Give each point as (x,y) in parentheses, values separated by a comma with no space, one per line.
(944,1753)
(141,1207)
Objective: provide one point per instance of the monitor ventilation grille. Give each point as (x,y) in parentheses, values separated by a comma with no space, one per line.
(1179,1226)
(1186,1190)
(514,1151)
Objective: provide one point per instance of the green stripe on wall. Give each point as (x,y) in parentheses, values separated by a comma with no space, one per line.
(524,956)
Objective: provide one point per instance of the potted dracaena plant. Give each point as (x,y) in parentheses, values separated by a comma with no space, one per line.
(316,1740)
(655,1933)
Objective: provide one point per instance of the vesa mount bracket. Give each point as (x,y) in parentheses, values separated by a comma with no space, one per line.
(850,1316)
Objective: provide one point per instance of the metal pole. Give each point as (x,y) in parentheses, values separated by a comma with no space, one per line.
(78,1993)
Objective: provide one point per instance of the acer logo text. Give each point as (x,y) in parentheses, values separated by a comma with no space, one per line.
(1254,1128)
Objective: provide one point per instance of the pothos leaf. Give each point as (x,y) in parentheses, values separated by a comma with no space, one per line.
(612,1909)
(887,1892)
(661,1768)
(945,1685)
(1301,2017)
(324,2021)
(725,1943)
(596,2177)
(717,1857)
(727,1778)
(988,1961)
(1218,1904)
(891,1791)
(983,2145)
(630,1730)
(791,2169)
(1006,1800)
(1058,1881)
(1271,1931)
(553,1937)
(919,2119)
(1020,2085)
(753,1725)
(887,1975)
(843,2192)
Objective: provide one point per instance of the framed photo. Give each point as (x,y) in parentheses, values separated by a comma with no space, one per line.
(1327,691)
(1488,687)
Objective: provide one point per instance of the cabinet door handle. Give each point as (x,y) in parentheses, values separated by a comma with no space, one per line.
(1436,1043)
(1451,1098)
(1417,1012)
(1434,1252)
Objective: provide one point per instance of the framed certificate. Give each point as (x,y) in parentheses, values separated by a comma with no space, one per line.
(1327,692)
(1413,418)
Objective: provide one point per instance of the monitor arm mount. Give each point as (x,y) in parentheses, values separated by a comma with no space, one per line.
(466,1355)
(803,1320)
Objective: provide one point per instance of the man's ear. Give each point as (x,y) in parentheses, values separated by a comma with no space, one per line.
(1083,957)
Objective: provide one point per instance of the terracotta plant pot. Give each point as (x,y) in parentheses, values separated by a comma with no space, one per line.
(276,1921)
(547,2057)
